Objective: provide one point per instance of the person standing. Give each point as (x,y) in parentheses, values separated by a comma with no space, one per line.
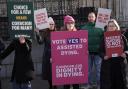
(23,68)
(113,75)
(69,25)
(95,36)
(44,37)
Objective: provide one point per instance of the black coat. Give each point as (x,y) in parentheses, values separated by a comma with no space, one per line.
(113,74)
(22,60)
(44,38)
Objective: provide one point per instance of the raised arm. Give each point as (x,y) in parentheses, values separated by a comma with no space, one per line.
(39,37)
(8,50)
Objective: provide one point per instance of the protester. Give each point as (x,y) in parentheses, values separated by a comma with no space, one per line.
(23,69)
(113,74)
(44,37)
(95,36)
(69,25)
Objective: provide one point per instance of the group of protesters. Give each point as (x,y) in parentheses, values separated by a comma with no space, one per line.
(110,71)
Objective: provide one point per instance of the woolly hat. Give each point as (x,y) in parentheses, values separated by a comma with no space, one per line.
(68,19)
(50,20)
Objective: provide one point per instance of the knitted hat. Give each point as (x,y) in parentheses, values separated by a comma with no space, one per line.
(50,20)
(68,19)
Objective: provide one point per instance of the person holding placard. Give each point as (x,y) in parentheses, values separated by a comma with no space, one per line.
(113,74)
(44,37)
(23,69)
(95,36)
(69,25)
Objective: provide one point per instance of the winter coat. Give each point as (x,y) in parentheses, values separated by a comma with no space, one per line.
(113,74)
(23,64)
(44,38)
(95,36)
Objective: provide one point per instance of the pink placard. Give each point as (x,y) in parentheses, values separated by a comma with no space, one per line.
(69,57)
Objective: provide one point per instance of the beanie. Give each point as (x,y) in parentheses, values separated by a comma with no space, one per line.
(50,20)
(68,19)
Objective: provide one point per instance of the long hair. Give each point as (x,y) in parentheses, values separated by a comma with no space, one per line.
(115,22)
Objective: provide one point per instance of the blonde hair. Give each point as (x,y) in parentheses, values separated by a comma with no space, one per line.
(115,22)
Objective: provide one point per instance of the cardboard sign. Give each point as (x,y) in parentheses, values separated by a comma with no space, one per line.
(103,17)
(41,19)
(70,57)
(113,43)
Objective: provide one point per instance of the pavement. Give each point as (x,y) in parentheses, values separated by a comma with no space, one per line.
(37,83)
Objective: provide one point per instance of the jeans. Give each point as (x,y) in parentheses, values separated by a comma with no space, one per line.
(96,61)
(21,85)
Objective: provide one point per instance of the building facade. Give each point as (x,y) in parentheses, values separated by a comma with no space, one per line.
(78,8)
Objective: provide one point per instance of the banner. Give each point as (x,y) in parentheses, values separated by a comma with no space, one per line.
(69,57)
(113,43)
(41,19)
(21,19)
(103,17)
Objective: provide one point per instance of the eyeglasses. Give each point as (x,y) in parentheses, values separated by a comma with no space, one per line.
(51,24)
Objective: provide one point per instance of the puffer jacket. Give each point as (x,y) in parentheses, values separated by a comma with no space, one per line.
(95,36)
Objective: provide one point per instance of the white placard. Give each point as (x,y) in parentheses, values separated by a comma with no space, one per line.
(41,19)
(103,17)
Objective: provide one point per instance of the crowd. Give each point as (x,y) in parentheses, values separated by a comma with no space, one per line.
(110,71)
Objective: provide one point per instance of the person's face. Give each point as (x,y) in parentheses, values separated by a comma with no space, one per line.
(22,39)
(111,26)
(91,17)
(70,26)
(52,26)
